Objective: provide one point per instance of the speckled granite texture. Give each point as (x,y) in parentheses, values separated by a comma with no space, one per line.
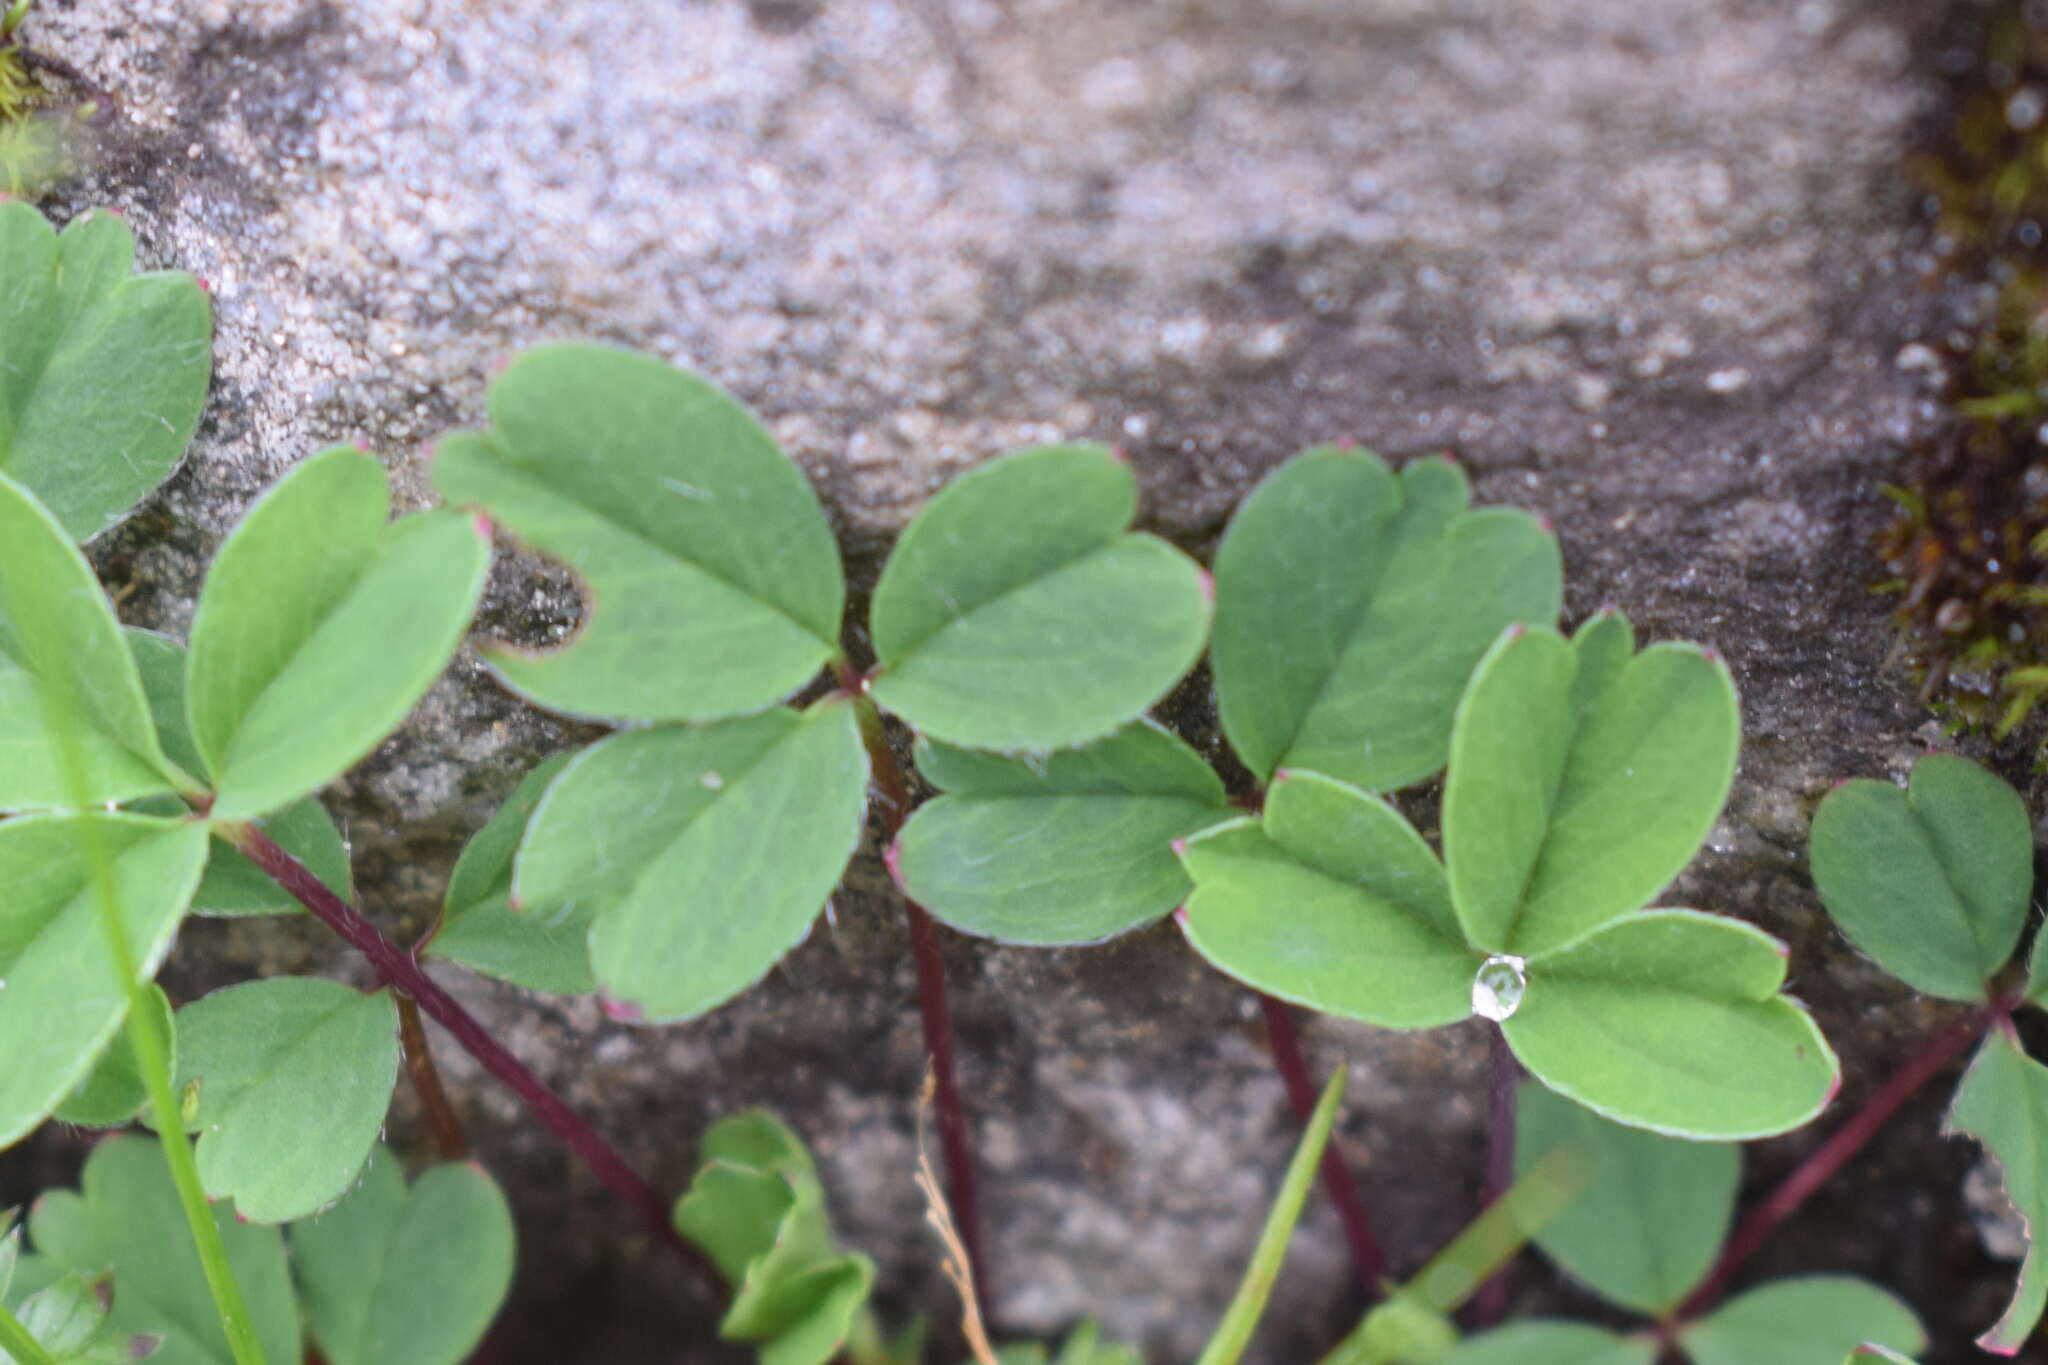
(1646,266)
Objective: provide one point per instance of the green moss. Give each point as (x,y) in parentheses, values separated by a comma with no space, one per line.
(1968,550)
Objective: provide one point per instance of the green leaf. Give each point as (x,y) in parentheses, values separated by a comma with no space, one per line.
(67,1319)
(542,951)
(2003,1103)
(319,627)
(1801,1321)
(1398,1330)
(1351,606)
(127,1219)
(706,852)
(1536,1342)
(1330,900)
(233,885)
(1075,848)
(1670,1020)
(112,1094)
(102,374)
(1871,1354)
(293,1076)
(757,1209)
(1572,800)
(61,1003)
(1234,1332)
(397,1275)
(1650,1220)
(2037,972)
(695,538)
(1931,881)
(1018,613)
(61,650)
(1084,1346)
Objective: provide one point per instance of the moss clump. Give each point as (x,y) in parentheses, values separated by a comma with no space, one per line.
(32,143)
(1968,551)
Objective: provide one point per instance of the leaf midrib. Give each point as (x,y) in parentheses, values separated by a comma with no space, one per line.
(896,664)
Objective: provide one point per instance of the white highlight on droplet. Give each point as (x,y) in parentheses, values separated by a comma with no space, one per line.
(1498,986)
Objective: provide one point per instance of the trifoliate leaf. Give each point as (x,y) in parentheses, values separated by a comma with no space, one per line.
(233,885)
(62,1001)
(127,1218)
(1072,848)
(293,1076)
(1351,606)
(1932,881)
(1671,1020)
(319,627)
(2003,1103)
(63,662)
(1536,1342)
(1330,900)
(711,580)
(1813,1318)
(102,373)
(705,853)
(1578,788)
(1018,612)
(392,1274)
(540,950)
(1648,1222)
(112,1093)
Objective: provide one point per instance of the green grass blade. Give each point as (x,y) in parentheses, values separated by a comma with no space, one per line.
(1234,1333)
(16,1342)
(152,1054)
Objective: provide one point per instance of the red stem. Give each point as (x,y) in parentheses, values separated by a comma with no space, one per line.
(404,975)
(1368,1262)
(1490,1305)
(426,1082)
(956,1139)
(1810,1174)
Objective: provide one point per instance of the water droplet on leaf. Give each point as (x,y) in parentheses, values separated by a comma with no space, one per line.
(1498,986)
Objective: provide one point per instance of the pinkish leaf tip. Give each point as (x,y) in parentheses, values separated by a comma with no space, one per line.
(1180,848)
(892,858)
(625,1011)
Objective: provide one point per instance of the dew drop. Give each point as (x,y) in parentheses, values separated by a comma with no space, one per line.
(712,781)
(1498,986)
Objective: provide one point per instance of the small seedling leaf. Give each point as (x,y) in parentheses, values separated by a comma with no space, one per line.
(2003,1103)
(1652,1214)
(319,627)
(292,1077)
(102,373)
(233,885)
(112,1093)
(1351,606)
(61,650)
(1800,1321)
(1074,848)
(1018,612)
(127,1218)
(1331,900)
(1671,1020)
(758,1210)
(540,950)
(694,536)
(414,1275)
(1536,1342)
(1932,881)
(1578,788)
(705,852)
(61,1003)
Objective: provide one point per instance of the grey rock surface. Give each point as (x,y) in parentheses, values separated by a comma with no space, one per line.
(1644,265)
